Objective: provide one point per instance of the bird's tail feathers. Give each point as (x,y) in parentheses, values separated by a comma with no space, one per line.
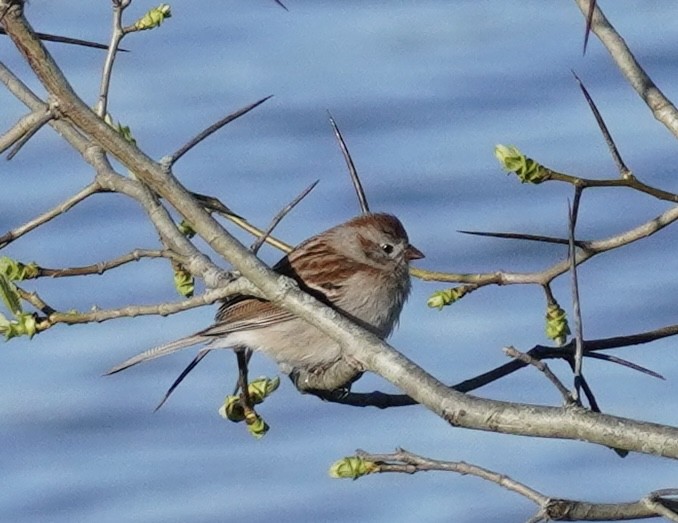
(157,352)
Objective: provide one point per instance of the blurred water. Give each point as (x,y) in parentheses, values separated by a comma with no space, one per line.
(422,92)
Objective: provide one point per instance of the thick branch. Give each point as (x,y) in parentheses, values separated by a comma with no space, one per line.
(661,107)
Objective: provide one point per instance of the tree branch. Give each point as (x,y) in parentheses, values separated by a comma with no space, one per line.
(661,107)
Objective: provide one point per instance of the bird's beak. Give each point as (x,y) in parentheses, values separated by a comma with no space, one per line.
(412,253)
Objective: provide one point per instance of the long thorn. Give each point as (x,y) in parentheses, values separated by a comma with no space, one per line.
(360,192)
(624,171)
(278,217)
(171,160)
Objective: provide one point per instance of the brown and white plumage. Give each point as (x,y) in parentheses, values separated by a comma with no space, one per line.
(359,267)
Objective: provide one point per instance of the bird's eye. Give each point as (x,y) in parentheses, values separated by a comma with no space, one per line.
(387,248)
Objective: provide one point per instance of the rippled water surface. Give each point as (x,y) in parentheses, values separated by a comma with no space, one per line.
(422,91)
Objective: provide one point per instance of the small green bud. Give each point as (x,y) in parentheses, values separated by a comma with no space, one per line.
(261,388)
(184,282)
(153,18)
(122,130)
(25,324)
(352,467)
(17,271)
(9,295)
(445,297)
(232,409)
(557,328)
(186,229)
(256,425)
(126,133)
(513,161)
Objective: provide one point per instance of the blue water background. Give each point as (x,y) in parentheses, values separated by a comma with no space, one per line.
(422,92)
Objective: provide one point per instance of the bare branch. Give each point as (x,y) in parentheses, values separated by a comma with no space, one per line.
(661,107)
(116,37)
(663,507)
(213,204)
(30,133)
(101,267)
(132,311)
(62,208)
(406,462)
(550,508)
(544,369)
(630,181)
(26,127)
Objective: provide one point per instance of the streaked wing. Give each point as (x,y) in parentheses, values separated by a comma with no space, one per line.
(311,258)
(323,269)
(245,313)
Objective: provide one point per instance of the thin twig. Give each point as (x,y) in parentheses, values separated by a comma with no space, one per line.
(132,311)
(543,368)
(588,250)
(630,182)
(169,161)
(357,185)
(27,125)
(63,207)
(117,35)
(666,508)
(46,117)
(36,301)
(407,462)
(550,508)
(63,127)
(101,267)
